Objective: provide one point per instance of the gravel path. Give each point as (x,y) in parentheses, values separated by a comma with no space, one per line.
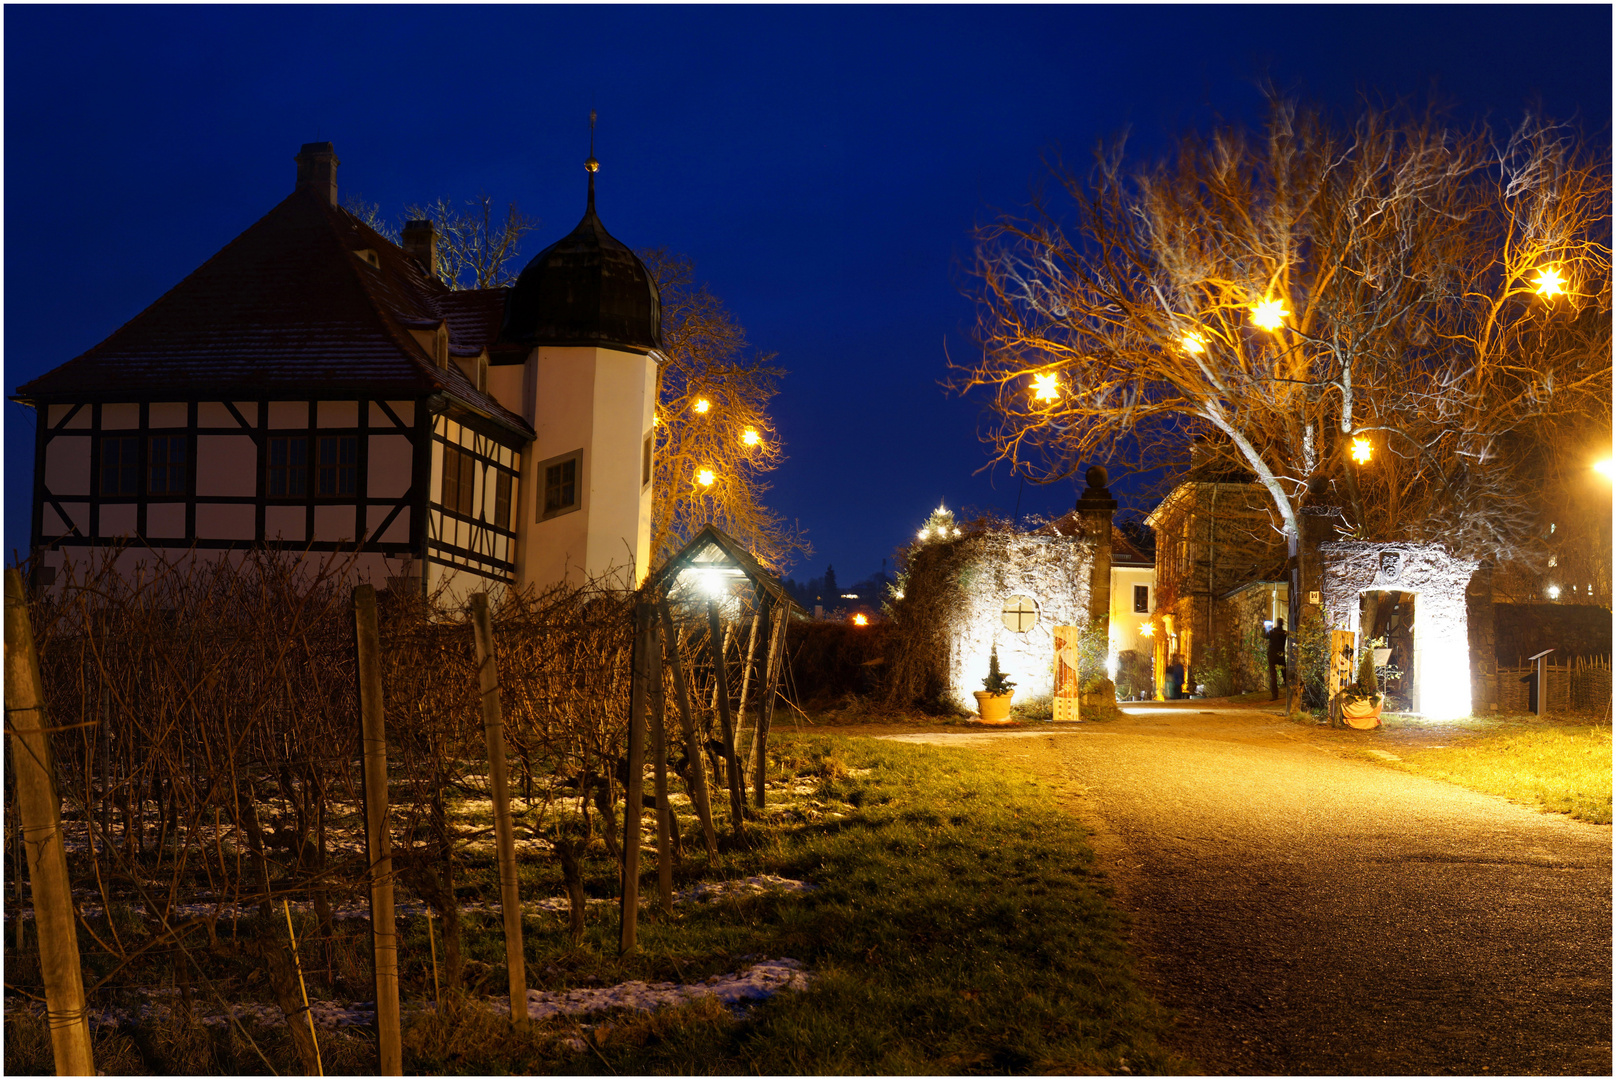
(1305,913)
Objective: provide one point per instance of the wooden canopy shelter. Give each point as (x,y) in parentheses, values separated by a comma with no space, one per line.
(713,588)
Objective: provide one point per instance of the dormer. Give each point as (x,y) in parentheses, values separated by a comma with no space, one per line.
(434,341)
(368,255)
(475,369)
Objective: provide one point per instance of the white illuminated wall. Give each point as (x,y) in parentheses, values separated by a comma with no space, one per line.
(1441,660)
(1054,572)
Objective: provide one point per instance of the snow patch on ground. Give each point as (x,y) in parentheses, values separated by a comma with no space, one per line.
(759,982)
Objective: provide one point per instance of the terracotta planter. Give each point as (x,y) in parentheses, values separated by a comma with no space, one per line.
(993,708)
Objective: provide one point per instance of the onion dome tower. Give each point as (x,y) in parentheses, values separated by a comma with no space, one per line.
(588,314)
(587,288)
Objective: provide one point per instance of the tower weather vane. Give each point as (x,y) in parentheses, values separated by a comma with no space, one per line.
(592,165)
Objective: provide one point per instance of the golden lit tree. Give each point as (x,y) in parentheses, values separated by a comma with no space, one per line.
(1438,298)
(715,440)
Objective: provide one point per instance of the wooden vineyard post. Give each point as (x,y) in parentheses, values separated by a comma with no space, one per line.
(41,835)
(510,896)
(378,845)
(776,622)
(721,679)
(634,790)
(687,725)
(659,759)
(746,685)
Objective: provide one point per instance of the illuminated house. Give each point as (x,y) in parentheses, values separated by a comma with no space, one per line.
(316,386)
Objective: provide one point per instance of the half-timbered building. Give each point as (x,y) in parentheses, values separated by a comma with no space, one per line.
(317,387)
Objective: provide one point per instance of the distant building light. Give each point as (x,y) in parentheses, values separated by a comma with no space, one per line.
(850,596)
(861,620)
(1554,592)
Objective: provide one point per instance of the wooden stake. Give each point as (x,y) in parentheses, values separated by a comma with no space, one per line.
(779,618)
(659,760)
(432,943)
(687,724)
(308,1014)
(634,793)
(378,844)
(758,616)
(721,682)
(510,898)
(39,812)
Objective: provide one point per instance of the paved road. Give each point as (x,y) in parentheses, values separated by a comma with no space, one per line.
(1305,913)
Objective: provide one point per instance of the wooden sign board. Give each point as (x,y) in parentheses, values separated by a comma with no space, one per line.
(1068,700)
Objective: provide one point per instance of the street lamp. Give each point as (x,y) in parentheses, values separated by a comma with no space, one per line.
(750,436)
(705,477)
(1194,343)
(1550,283)
(1269,315)
(1606,468)
(702,405)
(1362,451)
(1045,388)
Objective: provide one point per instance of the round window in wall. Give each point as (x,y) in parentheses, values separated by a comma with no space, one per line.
(1020,613)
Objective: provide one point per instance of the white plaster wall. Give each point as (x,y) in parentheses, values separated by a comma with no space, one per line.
(1054,572)
(1125,622)
(226,465)
(620,507)
(163,414)
(67,465)
(391,465)
(120,416)
(1441,675)
(336,522)
(165,520)
(289,524)
(337,414)
(117,519)
(224,521)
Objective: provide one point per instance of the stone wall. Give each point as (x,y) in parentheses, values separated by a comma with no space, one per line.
(1052,571)
(1441,622)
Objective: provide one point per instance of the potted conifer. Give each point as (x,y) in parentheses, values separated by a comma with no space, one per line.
(993,700)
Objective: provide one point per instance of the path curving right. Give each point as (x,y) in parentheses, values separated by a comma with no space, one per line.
(1306,913)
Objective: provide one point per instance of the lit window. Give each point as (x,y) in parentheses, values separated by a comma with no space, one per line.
(167,465)
(459,480)
(502,500)
(120,465)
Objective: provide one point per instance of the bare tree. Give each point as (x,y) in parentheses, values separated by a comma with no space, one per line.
(1437,293)
(475,246)
(715,440)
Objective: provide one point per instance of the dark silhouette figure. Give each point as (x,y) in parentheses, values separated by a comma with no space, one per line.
(1175,680)
(1276,658)
(1531,692)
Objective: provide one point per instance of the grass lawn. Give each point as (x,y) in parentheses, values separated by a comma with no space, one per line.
(1565,768)
(956,924)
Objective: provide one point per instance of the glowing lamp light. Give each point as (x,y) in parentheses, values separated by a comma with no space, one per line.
(925,533)
(751,437)
(1269,315)
(1361,450)
(1194,343)
(705,477)
(1045,388)
(713,582)
(1554,592)
(1606,468)
(1550,282)
(702,405)
(1147,630)
(861,620)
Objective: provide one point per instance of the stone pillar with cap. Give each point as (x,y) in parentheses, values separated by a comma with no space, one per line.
(1095,508)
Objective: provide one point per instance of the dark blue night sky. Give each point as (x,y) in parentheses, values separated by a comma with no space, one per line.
(822,166)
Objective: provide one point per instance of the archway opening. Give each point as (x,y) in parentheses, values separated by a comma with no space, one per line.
(1386,624)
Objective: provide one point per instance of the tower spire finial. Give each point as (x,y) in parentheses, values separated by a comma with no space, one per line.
(590,164)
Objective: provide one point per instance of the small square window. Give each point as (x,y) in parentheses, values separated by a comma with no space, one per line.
(561,484)
(1141,599)
(120,465)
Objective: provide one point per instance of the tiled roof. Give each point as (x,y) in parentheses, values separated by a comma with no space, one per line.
(289,307)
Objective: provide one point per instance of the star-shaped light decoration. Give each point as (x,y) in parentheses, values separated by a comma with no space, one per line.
(1194,343)
(1147,630)
(1044,387)
(751,437)
(1269,315)
(1550,282)
(705,477)
(861,620)
(702,405)
(1361,450)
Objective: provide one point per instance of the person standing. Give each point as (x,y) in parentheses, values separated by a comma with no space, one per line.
(1276,658)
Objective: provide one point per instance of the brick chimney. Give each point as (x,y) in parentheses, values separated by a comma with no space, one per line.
(317,169)
(421,244)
